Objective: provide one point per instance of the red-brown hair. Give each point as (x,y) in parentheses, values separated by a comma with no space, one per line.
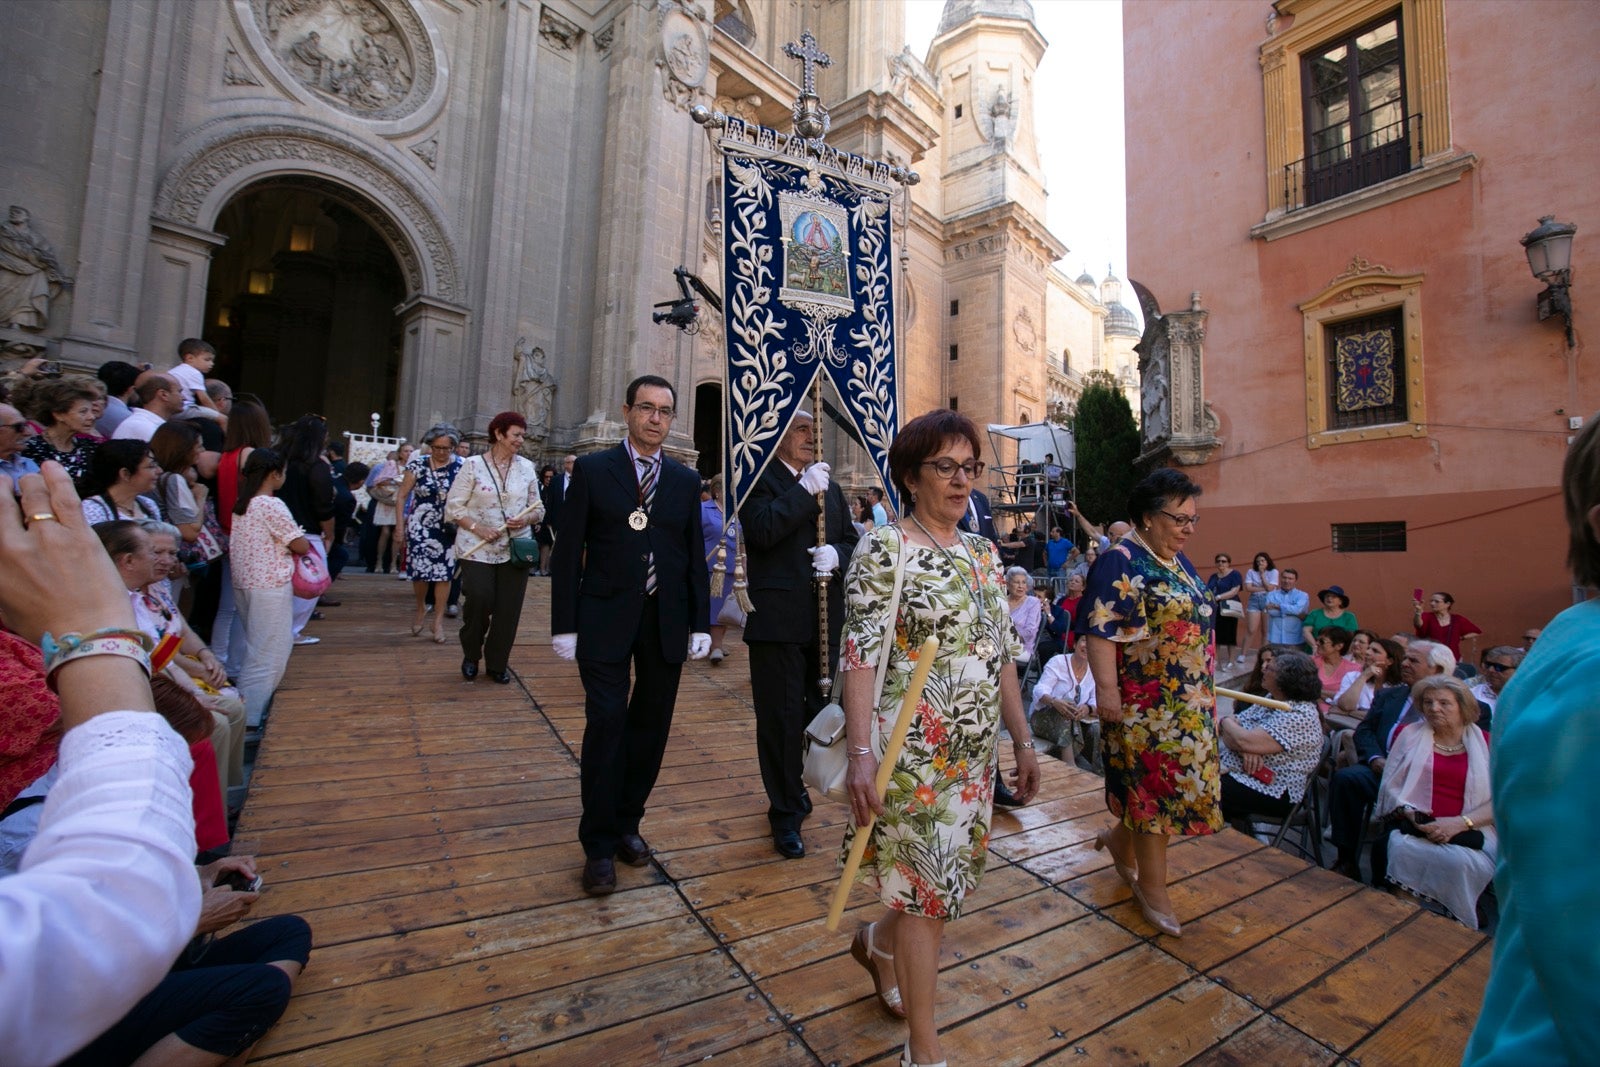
(922,438)
(503,422)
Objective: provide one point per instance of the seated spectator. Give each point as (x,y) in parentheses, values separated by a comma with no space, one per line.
(1353,788)
(1381,667)
(1267,754)
(1286,609)
(1025,612)
(1256,684)
(1066,686)
(64,410)
(119,379)
(122,476)
(223,994)
(196,668)
(193,723)
(1332,663)
(107,888)
(1499,664)
(1435,794)
(15,433)
(1439,624)
(1335,611)
(1360,640)
(1065,612)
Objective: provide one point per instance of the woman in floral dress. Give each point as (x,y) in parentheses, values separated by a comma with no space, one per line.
(1151,651)
(430,556)
(930,841)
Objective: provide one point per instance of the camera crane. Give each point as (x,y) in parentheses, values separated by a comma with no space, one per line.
(684,312)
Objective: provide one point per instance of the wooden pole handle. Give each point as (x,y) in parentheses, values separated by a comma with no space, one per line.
(891,753)
(529,510)
(1249,698)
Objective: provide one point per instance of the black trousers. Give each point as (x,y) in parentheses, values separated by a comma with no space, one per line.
(493,610)
(624,736)
(783,685)
(1239,800)
(1349,792)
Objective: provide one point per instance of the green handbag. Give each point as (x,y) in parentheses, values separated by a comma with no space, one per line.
(524,552)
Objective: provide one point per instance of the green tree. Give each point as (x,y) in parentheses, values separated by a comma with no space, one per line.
(1107,443)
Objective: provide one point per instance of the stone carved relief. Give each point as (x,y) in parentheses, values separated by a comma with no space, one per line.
(187,185)
(997,118)
(30,274)
(1177,425)
(369,58)
(559,33)
(428,152)
(1023,330)
(235,71)
(1359,265)
(684,58)
(604,38)
(744,107)
(533,388)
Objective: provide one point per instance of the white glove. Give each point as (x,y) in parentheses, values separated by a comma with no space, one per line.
(699,646)
(814,479)
(824,559)
(566,645)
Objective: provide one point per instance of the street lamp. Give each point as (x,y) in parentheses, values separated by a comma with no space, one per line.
(1549,248)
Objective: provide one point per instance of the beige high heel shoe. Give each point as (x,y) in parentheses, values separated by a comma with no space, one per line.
(1167,924)
(1102,840)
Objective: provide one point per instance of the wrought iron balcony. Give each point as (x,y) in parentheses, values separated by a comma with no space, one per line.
(1375,156)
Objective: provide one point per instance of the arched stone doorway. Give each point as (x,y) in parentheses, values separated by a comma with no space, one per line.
(300,303)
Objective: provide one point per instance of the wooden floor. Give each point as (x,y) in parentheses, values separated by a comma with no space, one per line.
(427,830)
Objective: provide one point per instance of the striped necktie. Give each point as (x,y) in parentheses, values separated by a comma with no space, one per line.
(647,489)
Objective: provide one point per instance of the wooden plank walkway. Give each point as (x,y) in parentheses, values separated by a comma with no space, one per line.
(427,830)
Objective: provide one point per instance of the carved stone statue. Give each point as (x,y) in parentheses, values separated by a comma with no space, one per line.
(534,390)
(351,51)
(30,274)
(1155,396)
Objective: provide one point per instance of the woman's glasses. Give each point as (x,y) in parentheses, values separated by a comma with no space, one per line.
(946,468)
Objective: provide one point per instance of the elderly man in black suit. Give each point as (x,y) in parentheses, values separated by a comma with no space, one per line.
(1352,789)
(629,585)
(979,518)
(782,555)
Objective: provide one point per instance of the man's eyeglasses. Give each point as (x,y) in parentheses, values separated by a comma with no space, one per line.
(650,411)
(14,427)
(1497,667)
(946,468)
(1181,520)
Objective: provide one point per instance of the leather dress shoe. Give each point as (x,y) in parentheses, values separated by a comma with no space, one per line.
(503,677)
(469,669)
(599,877)
(789,844)
(326,603)
(1004,797)
(634,851)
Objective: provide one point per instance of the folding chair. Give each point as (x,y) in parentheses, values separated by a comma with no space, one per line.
(1305,816)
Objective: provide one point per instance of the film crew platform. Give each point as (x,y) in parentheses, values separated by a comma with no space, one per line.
(426,827)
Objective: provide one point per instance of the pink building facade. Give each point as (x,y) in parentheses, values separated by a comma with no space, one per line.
(1345,184)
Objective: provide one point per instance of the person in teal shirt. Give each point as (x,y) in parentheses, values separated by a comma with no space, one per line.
(1544,981)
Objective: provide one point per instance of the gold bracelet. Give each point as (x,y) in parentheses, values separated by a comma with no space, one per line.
(1468,820)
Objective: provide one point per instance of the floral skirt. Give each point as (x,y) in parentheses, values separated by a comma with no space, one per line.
(1162,774)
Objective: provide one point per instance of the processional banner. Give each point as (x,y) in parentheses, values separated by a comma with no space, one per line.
(807,289)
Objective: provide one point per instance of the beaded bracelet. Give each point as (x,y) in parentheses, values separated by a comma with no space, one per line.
(59,651)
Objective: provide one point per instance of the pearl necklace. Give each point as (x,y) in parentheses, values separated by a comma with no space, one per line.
(1449,750)
(1170,565)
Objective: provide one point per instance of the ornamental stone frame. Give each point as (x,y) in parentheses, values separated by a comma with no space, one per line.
(1178,427)
(212,171)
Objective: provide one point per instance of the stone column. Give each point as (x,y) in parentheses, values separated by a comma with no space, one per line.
(177,265)
(111,285)
(654,153)
(433,337)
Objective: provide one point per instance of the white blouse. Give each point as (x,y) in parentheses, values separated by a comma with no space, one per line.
(1057,683)
(479,499)
(107,896)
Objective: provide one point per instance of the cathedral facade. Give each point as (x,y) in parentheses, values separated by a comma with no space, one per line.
(436,209)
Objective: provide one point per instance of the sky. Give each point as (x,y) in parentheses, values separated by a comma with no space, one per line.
(1080,145)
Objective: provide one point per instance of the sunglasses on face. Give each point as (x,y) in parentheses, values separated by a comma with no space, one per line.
(1498,667)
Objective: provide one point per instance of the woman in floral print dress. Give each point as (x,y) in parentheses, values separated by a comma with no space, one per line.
(1152,653)
(931,838)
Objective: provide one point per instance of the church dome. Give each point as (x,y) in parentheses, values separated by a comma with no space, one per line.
(1087,281)
(957,12)
(1120,322)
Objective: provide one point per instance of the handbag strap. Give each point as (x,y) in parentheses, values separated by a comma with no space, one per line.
(888,634)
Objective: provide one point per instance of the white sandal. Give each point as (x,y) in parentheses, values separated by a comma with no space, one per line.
(863,951)
(905,1059)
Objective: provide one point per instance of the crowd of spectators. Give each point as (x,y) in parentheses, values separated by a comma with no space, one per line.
(172,507)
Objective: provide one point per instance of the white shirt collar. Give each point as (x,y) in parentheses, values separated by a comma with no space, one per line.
(636,455)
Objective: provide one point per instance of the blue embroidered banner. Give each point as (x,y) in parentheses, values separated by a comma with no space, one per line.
(807,288)
(1365,371)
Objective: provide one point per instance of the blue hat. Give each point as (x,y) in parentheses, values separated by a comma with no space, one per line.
(1344,600)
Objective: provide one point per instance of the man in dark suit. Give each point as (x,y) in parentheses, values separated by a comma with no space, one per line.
(780,535)
(556,493)
(980,517)
(629,585)
(1352,789)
